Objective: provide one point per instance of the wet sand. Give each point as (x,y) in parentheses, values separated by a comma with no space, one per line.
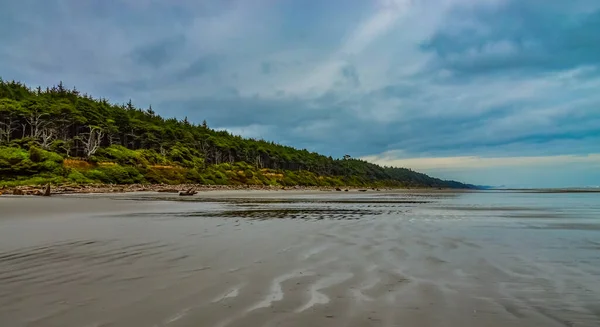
(260,258)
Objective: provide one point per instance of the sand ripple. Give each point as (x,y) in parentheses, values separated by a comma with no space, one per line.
(384,259)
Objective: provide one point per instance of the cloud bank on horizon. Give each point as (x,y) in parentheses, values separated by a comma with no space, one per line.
(500,92)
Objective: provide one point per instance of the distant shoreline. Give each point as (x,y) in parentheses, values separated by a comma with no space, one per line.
(547,190)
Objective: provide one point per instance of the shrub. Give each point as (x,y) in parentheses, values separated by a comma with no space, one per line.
(37,180)
(35,154)
(153,157)
(121,155)
(77,177)
(115,175)
(11,156)
(165,175)
(15,162)
(187,157)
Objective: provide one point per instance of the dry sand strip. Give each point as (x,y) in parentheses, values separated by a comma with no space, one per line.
(97,261)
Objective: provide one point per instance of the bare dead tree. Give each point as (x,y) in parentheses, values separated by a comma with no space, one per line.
(35,120)
(47,135)
(113,138)
(91,141)
(7,128)
(217,157)
(132,136)
(259,162)
(203,146)
(23,129)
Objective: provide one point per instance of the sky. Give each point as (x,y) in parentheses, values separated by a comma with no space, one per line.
(490,92)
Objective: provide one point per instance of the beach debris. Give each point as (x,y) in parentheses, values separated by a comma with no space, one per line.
(73,188)
(189,192)
(362,190)
(47,191)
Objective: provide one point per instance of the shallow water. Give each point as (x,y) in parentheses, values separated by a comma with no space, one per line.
(297,259)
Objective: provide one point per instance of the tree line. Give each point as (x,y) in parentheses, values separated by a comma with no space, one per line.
(75,125)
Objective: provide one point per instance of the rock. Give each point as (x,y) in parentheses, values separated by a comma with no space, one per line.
(18,192)
(338,189)
(346,190)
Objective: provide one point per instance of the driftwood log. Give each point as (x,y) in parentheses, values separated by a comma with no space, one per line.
(47,191)
(189,192)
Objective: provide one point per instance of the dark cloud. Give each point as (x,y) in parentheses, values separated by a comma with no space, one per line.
(201,66)
(526,36)
(160,52)
(350,76)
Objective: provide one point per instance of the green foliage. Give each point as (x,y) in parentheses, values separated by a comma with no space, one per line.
(145,147)
(115,174)
(17,162)
(186,156)
(12,156)
(76,176)
(35,154)
(62,147)
(36,180)
(165,176)
(121,155)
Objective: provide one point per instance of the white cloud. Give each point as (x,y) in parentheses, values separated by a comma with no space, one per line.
(323,77)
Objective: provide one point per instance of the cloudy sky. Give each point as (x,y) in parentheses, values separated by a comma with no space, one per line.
(495,92)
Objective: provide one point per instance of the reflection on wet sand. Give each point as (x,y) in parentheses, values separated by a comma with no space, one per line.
(298,259)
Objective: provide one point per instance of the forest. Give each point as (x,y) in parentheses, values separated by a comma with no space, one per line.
(58,135)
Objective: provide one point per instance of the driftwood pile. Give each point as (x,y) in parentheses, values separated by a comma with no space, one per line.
(46,191)
(182,190)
